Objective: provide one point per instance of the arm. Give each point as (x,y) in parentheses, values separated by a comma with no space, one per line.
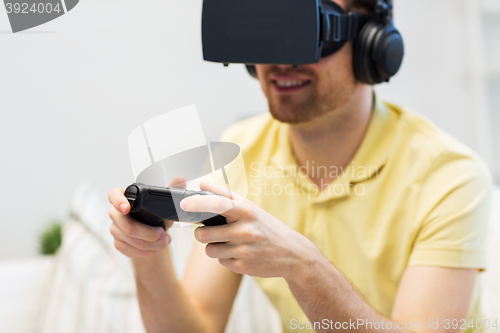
(452,219)
(201,302)
(256,243)
(425,293)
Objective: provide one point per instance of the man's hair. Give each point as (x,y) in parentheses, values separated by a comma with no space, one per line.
(362,7)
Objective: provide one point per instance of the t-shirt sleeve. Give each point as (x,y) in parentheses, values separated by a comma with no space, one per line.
(453,214)
(230,172)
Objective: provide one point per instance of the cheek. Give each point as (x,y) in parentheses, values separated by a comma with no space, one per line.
(261,70)
(341,60)
(336,67)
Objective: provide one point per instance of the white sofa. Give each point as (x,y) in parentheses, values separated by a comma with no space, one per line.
(32,299)
(89,286)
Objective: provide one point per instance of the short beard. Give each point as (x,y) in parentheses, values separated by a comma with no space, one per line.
(319,103)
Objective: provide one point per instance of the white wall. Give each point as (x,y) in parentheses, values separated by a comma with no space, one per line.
(72,90)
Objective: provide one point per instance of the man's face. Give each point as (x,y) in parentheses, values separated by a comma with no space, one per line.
(303,94)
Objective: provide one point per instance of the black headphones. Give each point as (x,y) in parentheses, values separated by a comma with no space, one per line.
(378,47)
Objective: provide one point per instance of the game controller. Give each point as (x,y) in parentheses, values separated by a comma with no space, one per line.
(152,205)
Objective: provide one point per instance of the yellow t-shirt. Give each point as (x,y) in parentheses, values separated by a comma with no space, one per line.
(411,196)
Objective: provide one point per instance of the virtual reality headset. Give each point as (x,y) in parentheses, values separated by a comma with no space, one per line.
(297,32)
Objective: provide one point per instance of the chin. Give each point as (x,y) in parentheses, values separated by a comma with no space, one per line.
(292,113)
(299,107)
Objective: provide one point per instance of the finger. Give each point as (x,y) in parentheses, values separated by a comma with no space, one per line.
(117,198)
(140,244)
(220,250)
(132,252)
(221,190)
(178,182)
(119,201)
(135,229)
(235,265)
(211,204)
(216,234)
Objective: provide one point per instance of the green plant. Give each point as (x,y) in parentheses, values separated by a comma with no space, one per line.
(51,238)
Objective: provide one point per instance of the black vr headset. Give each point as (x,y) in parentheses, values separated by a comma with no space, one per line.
(297,32)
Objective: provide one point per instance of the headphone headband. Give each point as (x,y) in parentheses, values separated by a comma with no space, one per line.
(384,8)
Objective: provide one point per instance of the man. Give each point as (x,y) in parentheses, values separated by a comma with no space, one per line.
(360,216)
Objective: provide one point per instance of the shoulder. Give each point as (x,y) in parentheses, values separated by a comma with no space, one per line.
(451,181)
(419,132)
(452,187)
(431,148)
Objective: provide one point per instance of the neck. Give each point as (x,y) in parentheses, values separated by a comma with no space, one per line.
(333,139)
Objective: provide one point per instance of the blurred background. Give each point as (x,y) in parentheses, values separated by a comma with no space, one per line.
(73,89)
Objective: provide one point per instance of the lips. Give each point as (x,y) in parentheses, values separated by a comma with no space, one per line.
(286,84)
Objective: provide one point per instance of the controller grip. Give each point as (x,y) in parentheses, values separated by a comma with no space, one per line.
(153,205)
(148,218)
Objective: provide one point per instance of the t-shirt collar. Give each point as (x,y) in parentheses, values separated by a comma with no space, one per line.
(369,159)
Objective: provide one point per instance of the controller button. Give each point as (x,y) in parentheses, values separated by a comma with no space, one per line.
(131,190)
(161,191)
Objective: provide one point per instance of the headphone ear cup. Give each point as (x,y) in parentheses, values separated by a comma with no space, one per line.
(252,71)
(378,53)
(388,52)
(364,66)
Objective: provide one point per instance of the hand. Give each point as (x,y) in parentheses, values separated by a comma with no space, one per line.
(253,242)
(132,238)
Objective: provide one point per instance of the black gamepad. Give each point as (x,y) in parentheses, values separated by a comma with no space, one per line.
(152,205)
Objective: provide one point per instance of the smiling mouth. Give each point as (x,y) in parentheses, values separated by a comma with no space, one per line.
(289,85)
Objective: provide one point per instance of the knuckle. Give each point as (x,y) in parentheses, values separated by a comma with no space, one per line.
(112,230)
(197,203)
(244,251)
(219,205)
(163,244)
(129,228)
(154,236)
(248,233)
(239,266)
(119,246)
(111,212)
(142,244)
(249,212)
(192,203)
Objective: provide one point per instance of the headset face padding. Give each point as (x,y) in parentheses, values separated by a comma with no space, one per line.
(252,71)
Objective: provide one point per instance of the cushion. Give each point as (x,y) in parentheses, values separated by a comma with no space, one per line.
(92,287)
(21,292)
